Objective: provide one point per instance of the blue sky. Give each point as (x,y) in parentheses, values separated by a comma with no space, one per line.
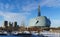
(24,10)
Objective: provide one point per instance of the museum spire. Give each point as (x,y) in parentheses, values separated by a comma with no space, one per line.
(39,14)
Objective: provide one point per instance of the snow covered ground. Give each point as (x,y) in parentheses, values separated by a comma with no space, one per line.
(50,34)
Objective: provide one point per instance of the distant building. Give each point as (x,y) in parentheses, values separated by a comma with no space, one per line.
(10,24)
(15,24)
(39,21)
(6,23)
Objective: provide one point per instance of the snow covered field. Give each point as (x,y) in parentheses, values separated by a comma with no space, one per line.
(50,34)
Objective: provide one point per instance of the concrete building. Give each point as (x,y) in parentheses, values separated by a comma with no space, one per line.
(5,23)
(10,24)
(15,24)
(39,21)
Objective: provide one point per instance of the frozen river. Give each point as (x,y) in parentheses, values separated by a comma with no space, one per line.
(41,34)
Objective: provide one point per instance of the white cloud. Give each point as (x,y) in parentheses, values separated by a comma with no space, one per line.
(19,17)
(50,3)
(11,6)
(55,23)
(6,6)
(30,7)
